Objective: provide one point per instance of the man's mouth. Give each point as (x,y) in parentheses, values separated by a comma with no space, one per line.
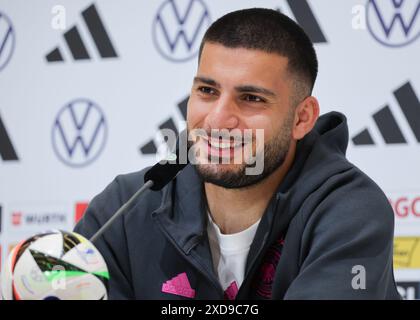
(222,148)
(224,144)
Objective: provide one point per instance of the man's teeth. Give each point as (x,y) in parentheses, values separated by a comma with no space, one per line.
(224,145)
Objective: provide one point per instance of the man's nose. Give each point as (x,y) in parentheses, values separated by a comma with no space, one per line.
(224,114)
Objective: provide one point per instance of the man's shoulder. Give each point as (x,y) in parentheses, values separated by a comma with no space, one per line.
(362,189)
(352,195)
(128,183)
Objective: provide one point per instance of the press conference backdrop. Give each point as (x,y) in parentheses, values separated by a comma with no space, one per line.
(86,85)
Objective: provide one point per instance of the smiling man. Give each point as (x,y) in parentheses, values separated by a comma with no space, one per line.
(308,225)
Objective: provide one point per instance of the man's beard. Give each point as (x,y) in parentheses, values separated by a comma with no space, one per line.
(275,153)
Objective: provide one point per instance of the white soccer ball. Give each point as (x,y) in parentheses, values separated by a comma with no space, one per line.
(55,265)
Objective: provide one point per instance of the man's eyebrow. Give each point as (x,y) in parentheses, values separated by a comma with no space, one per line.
(255,89)
(244,88)
(208,81)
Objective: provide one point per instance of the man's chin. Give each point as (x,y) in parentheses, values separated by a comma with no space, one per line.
(220,170)
(227,176)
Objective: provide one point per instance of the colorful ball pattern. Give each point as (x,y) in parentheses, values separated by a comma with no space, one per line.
(55,265)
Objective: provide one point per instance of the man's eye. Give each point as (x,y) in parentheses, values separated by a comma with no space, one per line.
(252,98)
(206,90)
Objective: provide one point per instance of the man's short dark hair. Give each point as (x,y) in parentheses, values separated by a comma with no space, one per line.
(273,32)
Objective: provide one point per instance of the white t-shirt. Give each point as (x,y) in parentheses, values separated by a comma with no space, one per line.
(230,252)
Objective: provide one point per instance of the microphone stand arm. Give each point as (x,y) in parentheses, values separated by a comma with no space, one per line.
(147,185)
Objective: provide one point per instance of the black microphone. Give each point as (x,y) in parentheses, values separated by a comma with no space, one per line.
(155,178)
(163,172)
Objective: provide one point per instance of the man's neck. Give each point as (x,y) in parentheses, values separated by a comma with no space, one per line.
(235,210)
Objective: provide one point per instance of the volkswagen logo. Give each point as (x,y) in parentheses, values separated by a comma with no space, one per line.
(179,27)
(79,133)
(7,40)
(393,23)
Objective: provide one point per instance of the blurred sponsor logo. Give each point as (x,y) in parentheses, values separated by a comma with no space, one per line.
(409,290)
(407,253)
(16,218)
(19,218)
(406,206)
(33,219)
(80,210)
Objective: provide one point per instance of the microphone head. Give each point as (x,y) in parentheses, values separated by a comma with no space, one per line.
(164,171)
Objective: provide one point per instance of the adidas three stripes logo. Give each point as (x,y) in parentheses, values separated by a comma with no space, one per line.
(386,123)
(76,45)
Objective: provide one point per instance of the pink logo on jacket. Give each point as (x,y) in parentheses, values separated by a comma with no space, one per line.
(231,291)
(263,283)
(179,286)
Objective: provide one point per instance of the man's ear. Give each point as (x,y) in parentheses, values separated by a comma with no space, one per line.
(306,114)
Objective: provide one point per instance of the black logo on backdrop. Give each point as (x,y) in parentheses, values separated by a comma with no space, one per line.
(387,124)
(7,40)
(150,147)
(179,27)
(409,290)
(7,151)
(76,45)
(79,133)
(305,17)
